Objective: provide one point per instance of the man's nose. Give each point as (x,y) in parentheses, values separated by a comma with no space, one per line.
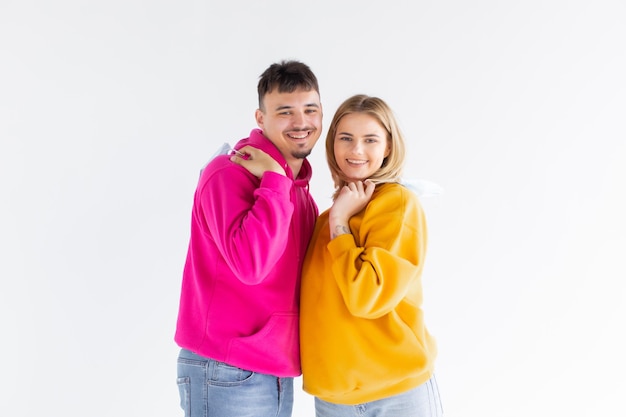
(299,119)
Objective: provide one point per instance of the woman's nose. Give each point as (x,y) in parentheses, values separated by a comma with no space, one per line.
(357,147)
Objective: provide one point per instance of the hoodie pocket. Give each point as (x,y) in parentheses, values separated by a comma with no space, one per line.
(273,350)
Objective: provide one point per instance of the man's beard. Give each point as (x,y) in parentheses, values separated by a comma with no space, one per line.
(301,154)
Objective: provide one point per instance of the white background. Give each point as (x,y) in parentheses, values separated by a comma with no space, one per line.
(108,109)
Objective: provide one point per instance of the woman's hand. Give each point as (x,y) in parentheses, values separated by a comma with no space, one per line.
(256,161)
(352,198)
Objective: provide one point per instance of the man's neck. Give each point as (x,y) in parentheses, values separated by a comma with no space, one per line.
(295,165)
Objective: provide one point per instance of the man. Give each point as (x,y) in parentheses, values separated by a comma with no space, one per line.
(251,223)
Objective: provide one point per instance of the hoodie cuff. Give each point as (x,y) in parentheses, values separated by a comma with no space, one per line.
(276,182)
(341,244)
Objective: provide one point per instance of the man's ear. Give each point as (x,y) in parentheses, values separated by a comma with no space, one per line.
(258,115)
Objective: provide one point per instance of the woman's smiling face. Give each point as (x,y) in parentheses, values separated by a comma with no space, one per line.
(360,145)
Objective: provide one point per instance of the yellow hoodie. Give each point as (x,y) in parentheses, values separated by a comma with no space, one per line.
(362,332)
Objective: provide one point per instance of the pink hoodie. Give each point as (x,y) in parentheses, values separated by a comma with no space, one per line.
(241,282)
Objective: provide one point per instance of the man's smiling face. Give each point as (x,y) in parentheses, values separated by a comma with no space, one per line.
(292,121)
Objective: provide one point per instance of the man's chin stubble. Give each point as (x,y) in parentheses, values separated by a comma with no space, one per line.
(301,154)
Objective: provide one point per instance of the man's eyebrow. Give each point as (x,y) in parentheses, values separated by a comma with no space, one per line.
(287,107)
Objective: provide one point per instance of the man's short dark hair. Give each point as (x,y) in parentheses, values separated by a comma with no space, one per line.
(287,77)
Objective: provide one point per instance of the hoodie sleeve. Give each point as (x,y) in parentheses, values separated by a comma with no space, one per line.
(381,263)
(249,219)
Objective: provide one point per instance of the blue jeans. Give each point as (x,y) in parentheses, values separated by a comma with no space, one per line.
(422,401)
(209,388)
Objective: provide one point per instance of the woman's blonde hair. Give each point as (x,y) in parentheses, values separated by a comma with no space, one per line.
(393,164)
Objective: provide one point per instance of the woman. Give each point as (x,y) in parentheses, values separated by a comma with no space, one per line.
(365,349)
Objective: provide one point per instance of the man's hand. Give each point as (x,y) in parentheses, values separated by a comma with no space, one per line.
(256,161)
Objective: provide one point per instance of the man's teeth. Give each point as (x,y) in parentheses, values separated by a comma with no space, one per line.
(301,136)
